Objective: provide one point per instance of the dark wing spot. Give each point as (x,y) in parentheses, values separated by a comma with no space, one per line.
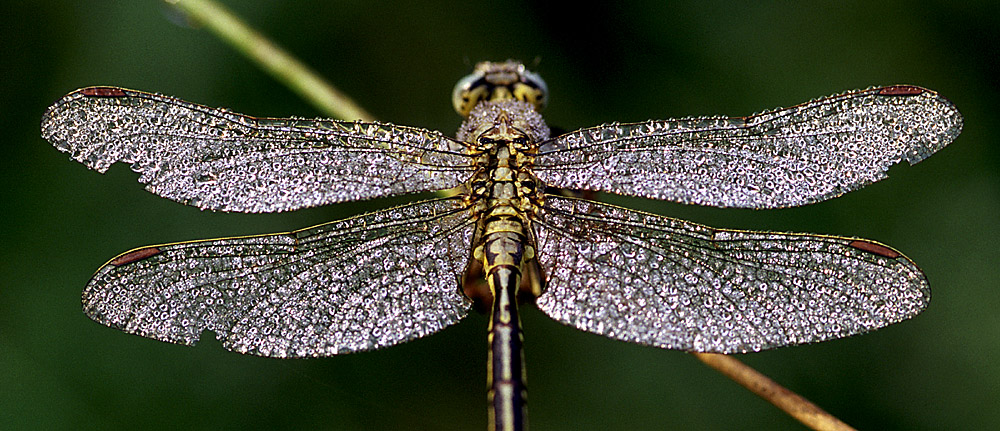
(135,255)
(872,247)
(901,90)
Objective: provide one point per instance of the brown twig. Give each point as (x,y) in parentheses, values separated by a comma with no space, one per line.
(794,404)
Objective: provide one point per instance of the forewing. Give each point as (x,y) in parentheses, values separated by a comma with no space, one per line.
(220,160)
(358,284)
(786,157)
(674,284)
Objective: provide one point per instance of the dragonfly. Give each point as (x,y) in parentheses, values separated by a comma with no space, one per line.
(503,235)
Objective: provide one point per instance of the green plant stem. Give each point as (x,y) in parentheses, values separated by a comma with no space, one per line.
(281,65)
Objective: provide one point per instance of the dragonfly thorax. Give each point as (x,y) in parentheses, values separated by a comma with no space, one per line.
(486,115)
(503,195)
(503,182)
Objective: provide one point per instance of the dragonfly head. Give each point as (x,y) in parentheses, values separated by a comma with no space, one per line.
(489,81)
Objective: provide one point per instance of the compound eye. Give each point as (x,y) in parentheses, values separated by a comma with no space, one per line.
(468,91)
(535,81)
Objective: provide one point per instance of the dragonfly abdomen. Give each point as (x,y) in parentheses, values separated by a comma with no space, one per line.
(505,247)
(503,253)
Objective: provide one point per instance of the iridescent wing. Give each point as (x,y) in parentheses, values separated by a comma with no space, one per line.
(220,160)
(358,284)
(786,157)
(674,284)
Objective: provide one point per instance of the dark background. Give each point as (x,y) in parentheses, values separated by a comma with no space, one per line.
(630,62)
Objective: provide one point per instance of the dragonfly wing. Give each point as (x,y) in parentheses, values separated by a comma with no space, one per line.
(220,160)
(786,157)
(358,284)
(674,284)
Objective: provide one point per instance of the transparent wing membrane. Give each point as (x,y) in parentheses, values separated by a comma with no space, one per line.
(220,160)
(781,158)
(357,284)
(674,284)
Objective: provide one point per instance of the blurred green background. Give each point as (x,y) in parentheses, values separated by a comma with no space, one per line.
(625,62)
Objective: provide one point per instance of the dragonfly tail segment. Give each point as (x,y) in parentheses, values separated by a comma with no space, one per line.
(503,253)
(506,375)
